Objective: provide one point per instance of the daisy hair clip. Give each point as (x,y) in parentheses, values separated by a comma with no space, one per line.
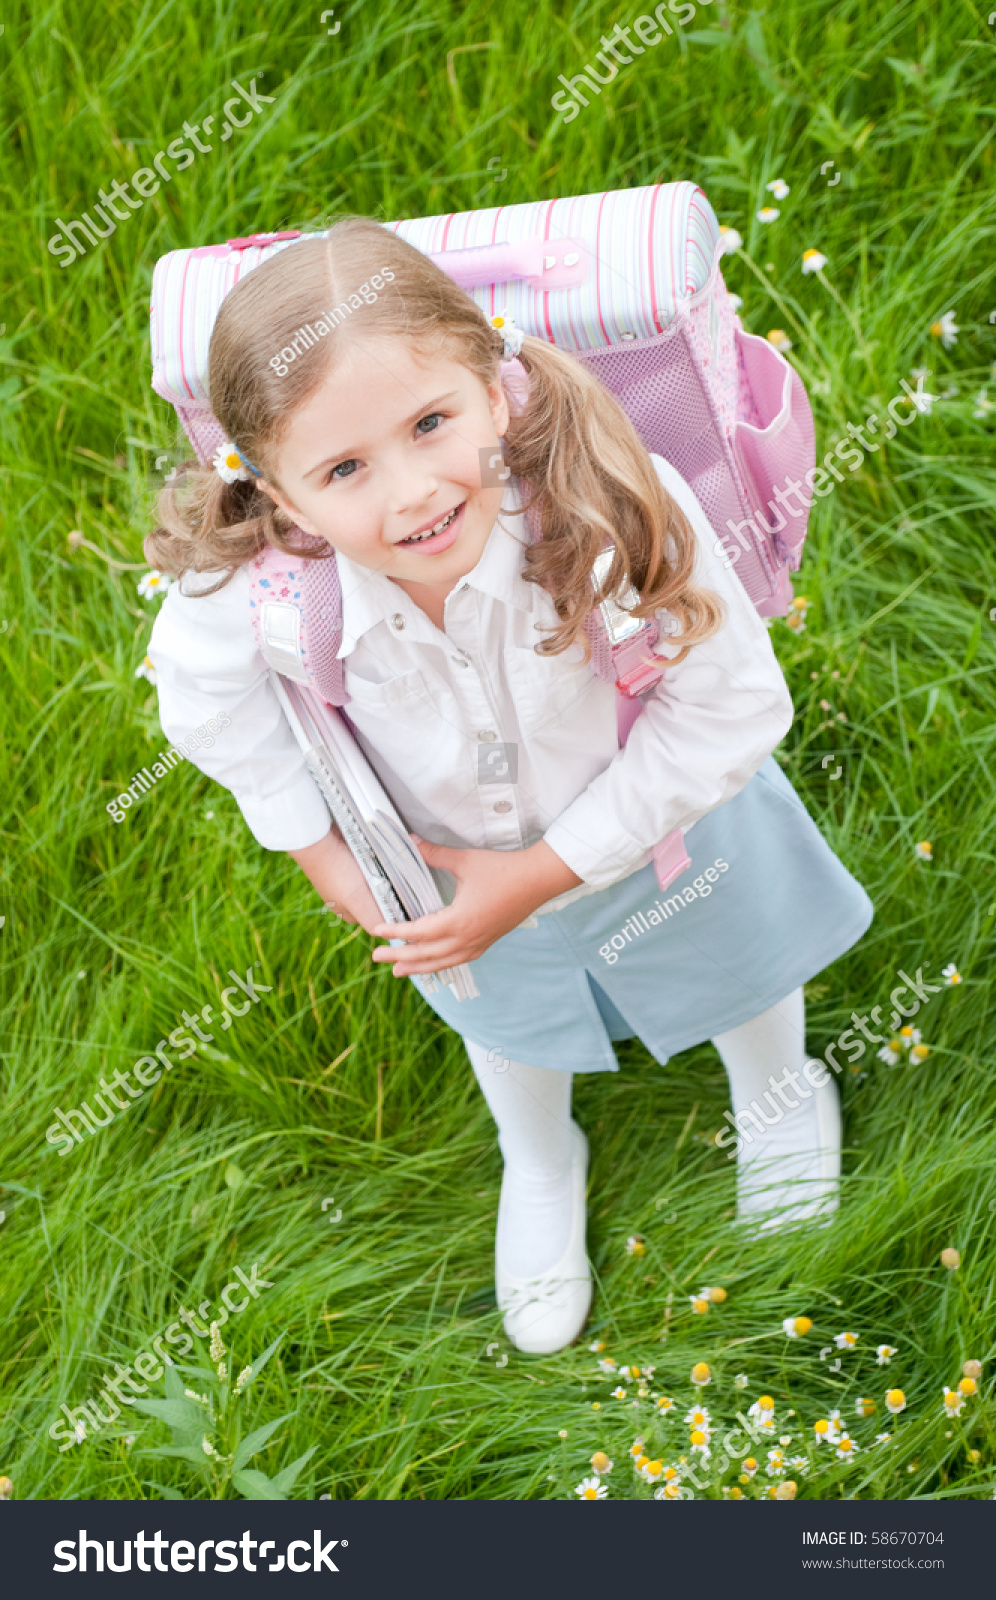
(514,377)
(230,464)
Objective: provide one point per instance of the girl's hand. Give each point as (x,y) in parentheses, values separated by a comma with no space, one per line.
(332,869)
(496,890)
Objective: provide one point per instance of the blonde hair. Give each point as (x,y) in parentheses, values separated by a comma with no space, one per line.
(589,479)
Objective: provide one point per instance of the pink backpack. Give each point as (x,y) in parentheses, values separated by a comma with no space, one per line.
(630,282)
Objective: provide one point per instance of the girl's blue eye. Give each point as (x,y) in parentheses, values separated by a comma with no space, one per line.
(345,468)
(430,423)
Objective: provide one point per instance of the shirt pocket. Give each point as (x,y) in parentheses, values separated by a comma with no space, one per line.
(547,690)
(406,718)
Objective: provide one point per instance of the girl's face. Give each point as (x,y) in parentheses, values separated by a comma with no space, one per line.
(385,462)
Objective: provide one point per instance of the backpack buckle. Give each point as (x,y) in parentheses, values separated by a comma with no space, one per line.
(262,239)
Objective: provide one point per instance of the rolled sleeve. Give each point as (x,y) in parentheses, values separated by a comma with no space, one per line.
(207,666)
(704,731)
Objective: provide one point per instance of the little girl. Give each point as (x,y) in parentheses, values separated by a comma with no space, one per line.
(466,660)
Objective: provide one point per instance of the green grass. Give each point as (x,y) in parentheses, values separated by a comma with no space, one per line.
(110,931)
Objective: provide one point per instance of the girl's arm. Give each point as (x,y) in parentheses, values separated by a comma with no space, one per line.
(217,705)
(331,867)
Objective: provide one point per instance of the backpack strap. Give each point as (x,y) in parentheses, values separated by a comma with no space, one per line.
(296,609)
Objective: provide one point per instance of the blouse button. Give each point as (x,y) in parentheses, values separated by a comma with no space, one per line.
(487,735)
(397,621)
(460,661)
(503,805)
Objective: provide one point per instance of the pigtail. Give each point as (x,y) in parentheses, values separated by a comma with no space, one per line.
(208,525)
(592,484)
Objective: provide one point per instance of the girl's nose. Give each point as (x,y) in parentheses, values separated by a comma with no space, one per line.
(410,489)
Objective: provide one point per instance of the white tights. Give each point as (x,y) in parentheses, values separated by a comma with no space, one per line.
(532,1109)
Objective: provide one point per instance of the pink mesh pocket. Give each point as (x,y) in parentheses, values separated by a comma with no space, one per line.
(778,449)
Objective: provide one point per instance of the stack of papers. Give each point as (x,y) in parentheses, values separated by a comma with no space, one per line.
(399,879)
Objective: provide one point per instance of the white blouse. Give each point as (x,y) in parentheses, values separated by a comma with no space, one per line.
(480,742)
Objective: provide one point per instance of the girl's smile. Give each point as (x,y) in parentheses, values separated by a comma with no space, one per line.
(384,462)
(440,536)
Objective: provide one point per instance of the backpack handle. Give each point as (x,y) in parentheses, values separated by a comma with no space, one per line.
(542,263)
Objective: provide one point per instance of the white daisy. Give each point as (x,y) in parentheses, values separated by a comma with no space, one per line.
(730,239)
(736,300)
(796,1327)
(153,583)
(146,670)
(698,1417)
(884,1354)
(229,465)
(953,1402)
(778,187)
(846,1447)
(845,1341)
(950,973)
(813,261)
(946,329)
(768,214)
(590,1489)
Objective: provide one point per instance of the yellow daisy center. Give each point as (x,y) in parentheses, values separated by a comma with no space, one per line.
(846,1444)
(766,1403)
(936,329)
(590,1494)
(232,462)
(822,1426)
(698,1437)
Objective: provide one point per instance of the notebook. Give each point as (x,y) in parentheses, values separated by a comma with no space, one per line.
(399,879)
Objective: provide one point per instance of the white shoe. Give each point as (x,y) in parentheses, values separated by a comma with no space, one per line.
(792,1175)
(547,1312)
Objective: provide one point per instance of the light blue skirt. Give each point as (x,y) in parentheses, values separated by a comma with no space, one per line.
(764,907)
